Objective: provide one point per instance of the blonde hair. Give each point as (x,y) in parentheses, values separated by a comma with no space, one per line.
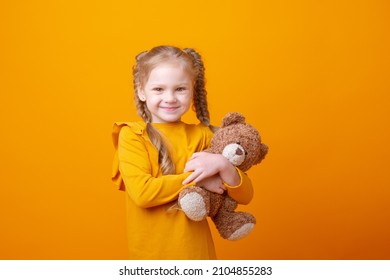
(192,62)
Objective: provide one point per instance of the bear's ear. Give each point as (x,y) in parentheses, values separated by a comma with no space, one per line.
(232,118)
(263,153)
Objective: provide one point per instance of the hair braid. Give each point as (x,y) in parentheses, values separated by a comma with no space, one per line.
(200,99)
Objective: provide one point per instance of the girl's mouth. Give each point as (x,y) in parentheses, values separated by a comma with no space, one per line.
(169,108)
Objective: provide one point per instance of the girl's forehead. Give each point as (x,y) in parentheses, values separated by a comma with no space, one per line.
(170,68)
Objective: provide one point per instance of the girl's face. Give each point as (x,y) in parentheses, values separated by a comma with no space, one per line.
(168,92)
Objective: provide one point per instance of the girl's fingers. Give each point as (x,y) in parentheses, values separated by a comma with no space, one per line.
(187,180)
(220,191)
(195,177)
(190,178)
(188,167)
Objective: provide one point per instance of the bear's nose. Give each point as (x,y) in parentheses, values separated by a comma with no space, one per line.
(238,152)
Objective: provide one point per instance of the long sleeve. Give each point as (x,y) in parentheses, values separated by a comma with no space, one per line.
(243,193)
(143,180)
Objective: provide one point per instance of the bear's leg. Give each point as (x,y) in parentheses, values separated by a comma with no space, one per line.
(246,224)
(195,203)
(233,225)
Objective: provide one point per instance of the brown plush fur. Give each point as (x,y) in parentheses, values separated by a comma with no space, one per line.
(198,203)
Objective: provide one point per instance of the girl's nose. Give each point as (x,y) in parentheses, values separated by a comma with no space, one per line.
(170,97)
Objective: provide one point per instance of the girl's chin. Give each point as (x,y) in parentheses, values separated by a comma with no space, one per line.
(168,119)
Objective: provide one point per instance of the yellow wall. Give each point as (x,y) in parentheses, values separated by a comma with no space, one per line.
(313,76)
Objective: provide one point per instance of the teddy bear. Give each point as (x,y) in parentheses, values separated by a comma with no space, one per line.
(241,144)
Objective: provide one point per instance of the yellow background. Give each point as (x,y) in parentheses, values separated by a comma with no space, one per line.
(313,76)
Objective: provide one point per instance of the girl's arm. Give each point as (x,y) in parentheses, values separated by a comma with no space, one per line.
(205,165)
(142,184)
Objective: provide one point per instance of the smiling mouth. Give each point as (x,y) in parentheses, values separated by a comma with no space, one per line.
(169,108)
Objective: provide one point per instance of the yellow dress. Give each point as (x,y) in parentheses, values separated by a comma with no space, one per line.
(155,232)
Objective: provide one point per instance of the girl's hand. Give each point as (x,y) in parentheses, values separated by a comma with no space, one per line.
(213,184)
(203,165)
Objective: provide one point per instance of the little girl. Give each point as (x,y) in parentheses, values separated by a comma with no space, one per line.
(155,158)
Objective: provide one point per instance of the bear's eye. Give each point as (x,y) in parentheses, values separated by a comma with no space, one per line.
(246,153)
(238,143)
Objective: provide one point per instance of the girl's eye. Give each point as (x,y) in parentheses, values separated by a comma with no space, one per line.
(180,89)
(157,89)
